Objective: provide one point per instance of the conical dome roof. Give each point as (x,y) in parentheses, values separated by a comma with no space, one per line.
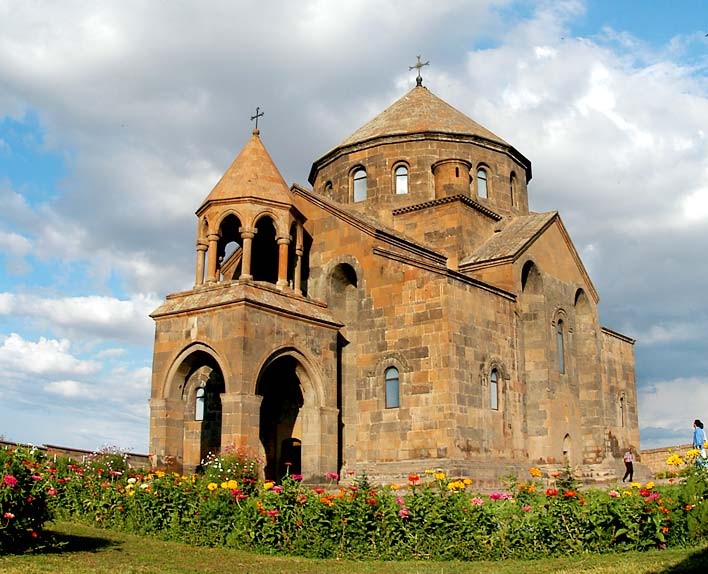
(419,111)
(252,174)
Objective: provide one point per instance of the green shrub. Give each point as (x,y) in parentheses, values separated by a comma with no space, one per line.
(25,484)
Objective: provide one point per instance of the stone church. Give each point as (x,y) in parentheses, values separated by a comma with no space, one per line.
(405,312)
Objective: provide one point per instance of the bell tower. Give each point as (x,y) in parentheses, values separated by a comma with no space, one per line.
(248,229)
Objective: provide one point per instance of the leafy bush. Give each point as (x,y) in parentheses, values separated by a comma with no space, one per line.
(25,484)
(430,517)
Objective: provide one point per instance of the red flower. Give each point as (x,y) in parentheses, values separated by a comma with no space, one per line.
(570,494)
(9,480)
(413,478)
(644,492)
(551,492)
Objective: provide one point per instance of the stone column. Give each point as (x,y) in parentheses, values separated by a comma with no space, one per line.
(283,243)
(297,280)
(201,256)
(240,422)
(213,246)
(247,235)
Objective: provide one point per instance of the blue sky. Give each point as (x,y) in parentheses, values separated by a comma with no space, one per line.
(117,119)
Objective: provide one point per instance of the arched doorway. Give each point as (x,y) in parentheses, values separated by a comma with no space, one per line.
(200,383)
(281,424)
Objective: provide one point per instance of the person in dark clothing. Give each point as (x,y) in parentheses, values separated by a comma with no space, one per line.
(629,464)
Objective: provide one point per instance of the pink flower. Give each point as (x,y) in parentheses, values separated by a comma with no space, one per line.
(36,477)
(653,496)
(8,515)
(277,489)
(476,501)
(400,501)
(288,464)
(526,508)
(273,513)
(52,492)
(614,494)
(297,477)
(404,513)
(332,476)
(9,480)
(495,496)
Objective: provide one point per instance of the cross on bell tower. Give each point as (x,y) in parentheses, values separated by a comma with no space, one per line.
(418,66)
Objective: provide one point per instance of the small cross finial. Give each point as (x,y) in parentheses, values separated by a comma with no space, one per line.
(259,114)
(418,66)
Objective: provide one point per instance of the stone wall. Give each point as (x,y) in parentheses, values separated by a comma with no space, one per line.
(655,458)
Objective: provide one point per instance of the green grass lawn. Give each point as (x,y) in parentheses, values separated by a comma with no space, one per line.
(85,549)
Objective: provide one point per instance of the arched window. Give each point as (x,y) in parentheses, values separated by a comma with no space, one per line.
(328,189)
(393,399)
(621,411)
(359,183)
(199,407)
(401,175)
(494,390)
(512,188)
(561,346)
(481,182)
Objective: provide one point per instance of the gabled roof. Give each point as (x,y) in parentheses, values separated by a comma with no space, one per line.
(419,111)
(510,243)
(520,231)
(252,174)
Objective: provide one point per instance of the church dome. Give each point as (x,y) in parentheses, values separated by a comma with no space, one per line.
(419,111)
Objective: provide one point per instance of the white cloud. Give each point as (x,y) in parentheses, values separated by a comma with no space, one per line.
(70,389)
(95,315)
(14,244)
(672,406)
(44,357)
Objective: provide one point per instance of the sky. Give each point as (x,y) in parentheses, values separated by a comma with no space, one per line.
(118,118)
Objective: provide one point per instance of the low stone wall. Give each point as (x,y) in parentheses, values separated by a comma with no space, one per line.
(133,459)
(655,458)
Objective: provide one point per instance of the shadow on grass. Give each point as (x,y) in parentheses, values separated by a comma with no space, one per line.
(694,563)
(61,543)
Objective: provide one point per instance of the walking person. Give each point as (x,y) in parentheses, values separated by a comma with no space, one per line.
(699,439)
(628,465)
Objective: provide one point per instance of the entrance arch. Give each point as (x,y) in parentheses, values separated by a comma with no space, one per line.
(195,389)
(296,425)
(280,423)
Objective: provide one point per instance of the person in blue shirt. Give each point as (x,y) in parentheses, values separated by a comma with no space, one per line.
(699,439)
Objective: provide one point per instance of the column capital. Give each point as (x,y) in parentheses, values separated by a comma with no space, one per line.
(247,232)
(202,246)
(283,240)
(214,236)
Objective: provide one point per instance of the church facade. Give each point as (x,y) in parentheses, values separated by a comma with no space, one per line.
(406,312)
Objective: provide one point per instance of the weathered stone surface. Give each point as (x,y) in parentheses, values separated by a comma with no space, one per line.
(308,307)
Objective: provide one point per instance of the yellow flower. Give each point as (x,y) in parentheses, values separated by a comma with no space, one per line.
(535,472)
(268,485)
(439,475)
(394,487)
(176,474)
(212,486)
(634,485)
(627,493)
(225,485)
(130,493)
(674,460)
(692,454)
(159,473)
(467,481)
(650,485)
(456,485)
(232,484)
(429,471)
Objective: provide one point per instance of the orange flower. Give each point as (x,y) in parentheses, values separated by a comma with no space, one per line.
(535,472)
(413,478)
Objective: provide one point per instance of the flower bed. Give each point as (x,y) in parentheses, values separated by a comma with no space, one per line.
(430,516)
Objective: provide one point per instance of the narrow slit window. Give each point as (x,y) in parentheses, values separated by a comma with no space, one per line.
(359,182)
(199,406)
(482,183)
(561,346)
(494,390)
(512,189)
(401,174)
(393,399)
